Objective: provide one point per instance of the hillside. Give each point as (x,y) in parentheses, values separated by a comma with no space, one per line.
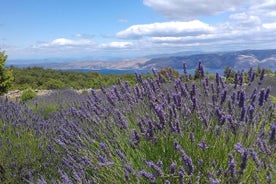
(236,60)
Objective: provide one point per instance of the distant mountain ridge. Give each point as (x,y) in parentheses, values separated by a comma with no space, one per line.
(236,59)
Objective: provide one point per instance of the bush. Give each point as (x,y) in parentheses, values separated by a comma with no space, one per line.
(28,94)
(54,84)
(6,76)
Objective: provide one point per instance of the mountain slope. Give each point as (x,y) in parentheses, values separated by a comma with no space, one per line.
(236,60)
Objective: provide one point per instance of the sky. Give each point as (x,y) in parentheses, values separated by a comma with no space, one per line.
(105,29)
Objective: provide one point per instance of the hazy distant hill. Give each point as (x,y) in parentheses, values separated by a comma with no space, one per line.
(236,60)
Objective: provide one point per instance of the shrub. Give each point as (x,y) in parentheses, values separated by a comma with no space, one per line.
(54,84)
(6,76)
(28,94)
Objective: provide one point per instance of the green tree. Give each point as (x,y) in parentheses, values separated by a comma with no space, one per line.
(6,76)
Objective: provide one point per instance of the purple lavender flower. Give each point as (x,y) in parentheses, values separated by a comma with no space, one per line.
(262,75)
(217,79)
(187,161)
(267,92)
(255,158)
(236,80)
(228,74)
(155,167)
(213,181)
(129,169)
(272,136)
(252,77)
(203,145)
(192,137)
(185,68)
(121,155)
(261,97)
(241,78)
(122,119)
(135,137)
(138,78)
(244,160)
(65,177)
(181,174)
(243,113)
(241,99)
(268,177)
(223,96)
(232,166)
(105,150)
(172,168)
(148,176)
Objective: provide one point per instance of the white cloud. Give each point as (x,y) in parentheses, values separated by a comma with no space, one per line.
(270,25)
(66,42)
(116,45)
(194,27)
(265,9)
(250,24)
(190,9)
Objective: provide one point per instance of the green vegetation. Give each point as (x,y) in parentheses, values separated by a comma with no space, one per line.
(28,94)
(6,76)
(39,78)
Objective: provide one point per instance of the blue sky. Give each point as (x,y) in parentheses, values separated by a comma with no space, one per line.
(102,29)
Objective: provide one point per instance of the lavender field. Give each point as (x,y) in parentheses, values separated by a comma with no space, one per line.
(164,129)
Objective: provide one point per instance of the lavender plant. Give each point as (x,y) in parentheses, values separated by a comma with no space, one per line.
(166,129)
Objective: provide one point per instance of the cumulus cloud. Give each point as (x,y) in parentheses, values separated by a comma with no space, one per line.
(116,45)
(190,9)
(194,27)
(265,9)
(250,25)
(63,42)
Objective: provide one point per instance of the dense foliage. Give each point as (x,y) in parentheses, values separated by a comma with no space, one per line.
(39,78)
(165,129)
(6,76)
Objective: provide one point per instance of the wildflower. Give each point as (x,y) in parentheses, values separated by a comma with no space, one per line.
(203,145)
(121,155)
(267,92)
(268,177)
(261,97)
(135,137)
(254,156)
(272,136)
(262,75)
(241,99)
(104,148)
(148,176)
(172,168)
(192,137)
(187,161)
(232,165)
(181,174)
(223,97)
